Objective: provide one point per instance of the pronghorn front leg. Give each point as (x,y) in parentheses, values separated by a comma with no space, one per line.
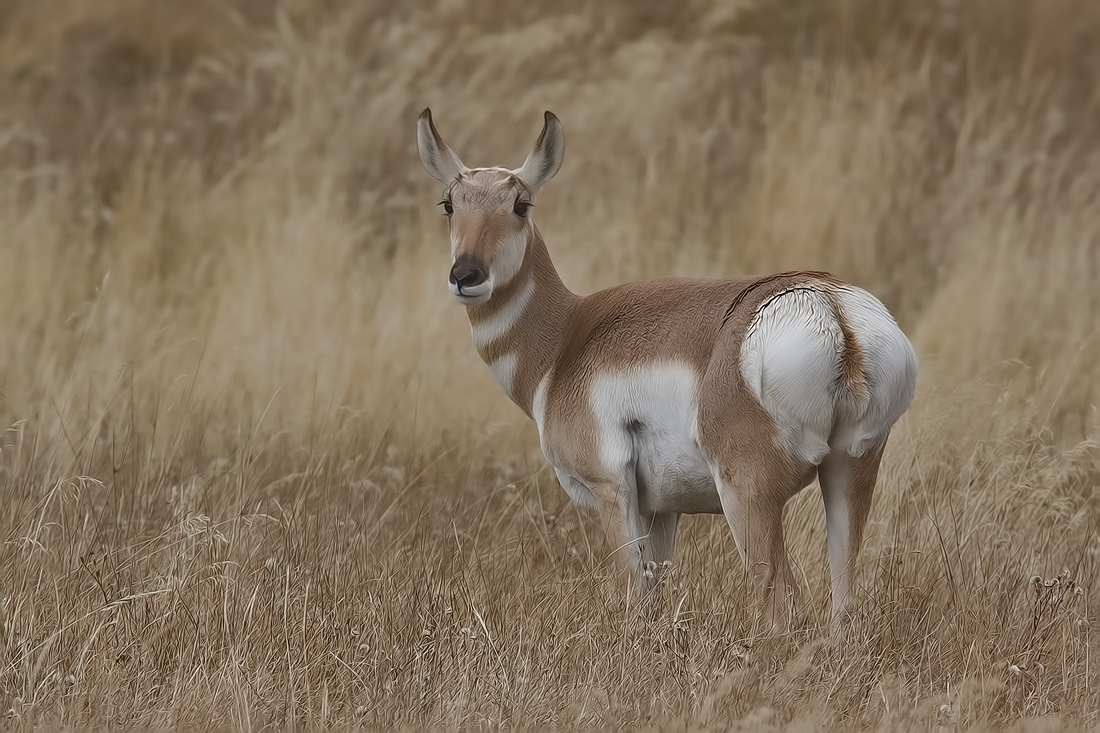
(657,547)
(642,543)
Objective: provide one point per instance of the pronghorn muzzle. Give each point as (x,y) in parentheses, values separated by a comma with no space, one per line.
(468,272)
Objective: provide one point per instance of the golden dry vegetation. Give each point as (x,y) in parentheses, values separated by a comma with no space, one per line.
(254,475)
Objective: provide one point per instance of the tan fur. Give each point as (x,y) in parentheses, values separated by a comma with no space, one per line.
(483,211)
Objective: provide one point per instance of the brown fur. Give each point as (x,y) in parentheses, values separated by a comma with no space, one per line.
(853,371)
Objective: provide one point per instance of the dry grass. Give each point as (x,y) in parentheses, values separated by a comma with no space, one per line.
(256,476)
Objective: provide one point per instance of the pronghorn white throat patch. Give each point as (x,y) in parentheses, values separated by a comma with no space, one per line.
(501,322)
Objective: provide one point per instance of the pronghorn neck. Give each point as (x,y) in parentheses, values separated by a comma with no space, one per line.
(519,330)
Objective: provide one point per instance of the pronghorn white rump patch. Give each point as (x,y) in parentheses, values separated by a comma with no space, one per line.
(791,360)
(504,371)
(488,331)
(889,363)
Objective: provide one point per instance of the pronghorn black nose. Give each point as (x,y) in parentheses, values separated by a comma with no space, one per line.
(468,272)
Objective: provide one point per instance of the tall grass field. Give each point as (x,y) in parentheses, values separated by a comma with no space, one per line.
(253,474)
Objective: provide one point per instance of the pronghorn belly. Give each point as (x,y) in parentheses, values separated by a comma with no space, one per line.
(647,423)
(672,474)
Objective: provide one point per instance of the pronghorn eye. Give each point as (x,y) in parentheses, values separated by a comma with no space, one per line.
(447,208)
(521,207)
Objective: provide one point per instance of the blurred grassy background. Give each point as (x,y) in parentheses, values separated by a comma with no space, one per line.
(256,474)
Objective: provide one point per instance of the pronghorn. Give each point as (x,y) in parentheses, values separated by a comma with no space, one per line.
(677,396)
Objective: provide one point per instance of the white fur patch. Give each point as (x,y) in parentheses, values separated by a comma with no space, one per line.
(488,331)
(494,168)
(648,424)
(890,366)
(790,359)
(509,259)
(661,395)
(504,371)
(538,411)
(472,295)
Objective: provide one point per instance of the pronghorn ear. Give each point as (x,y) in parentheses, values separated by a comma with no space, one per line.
(545,158)
(439,160)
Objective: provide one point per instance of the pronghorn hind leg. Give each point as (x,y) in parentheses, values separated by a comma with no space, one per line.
(753,494)
(847,485)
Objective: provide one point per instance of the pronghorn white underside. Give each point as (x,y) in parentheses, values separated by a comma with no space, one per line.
(501,323)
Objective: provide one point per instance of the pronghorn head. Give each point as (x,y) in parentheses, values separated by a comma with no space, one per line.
(489,208)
